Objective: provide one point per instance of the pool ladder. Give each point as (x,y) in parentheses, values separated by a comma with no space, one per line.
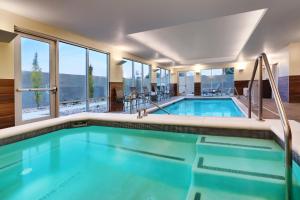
(262,58)
(143,112)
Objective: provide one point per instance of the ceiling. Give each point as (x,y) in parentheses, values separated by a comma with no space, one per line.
(185,32)
(206,41)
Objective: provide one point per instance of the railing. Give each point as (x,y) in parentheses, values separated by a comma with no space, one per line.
(237,93)
(284,120)
(155,104)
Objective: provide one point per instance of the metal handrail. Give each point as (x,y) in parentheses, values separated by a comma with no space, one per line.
(156,105)
(283,117)
(237,93)
(53,89)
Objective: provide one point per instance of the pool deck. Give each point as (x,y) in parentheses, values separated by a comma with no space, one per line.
(207,122)
(270,110)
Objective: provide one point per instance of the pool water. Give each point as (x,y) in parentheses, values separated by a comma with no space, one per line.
(129,164)
(204,107)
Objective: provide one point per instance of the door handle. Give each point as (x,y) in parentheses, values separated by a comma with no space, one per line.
(53,89)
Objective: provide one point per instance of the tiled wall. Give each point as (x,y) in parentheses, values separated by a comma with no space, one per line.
(7,106)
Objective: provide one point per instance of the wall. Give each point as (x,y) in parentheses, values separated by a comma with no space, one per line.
(294,75)
(282,59)
(294,59)
(6,61)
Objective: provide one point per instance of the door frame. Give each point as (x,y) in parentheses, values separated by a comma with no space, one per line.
(53,98)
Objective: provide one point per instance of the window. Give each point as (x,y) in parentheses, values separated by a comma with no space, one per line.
(163,78)
(72,79)
(127,76)
(81,73)
(97,82)
(217,81)
(186,83)
(136,74)
(82,85)
(147,76)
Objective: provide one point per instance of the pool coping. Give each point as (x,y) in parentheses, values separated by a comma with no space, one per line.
(238,104)
(239,127)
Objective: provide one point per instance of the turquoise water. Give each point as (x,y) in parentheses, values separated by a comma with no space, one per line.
(128,164)
(204,107)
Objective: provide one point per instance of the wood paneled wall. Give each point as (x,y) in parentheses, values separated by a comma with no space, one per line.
(7,105)
(197,89)
(267,91)
(113,104)
(240,85)
(173,89)
(294,89)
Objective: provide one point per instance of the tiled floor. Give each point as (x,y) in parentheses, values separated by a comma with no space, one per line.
(270,110)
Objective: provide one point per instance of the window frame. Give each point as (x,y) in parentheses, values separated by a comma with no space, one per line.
(133,74)
(53,71)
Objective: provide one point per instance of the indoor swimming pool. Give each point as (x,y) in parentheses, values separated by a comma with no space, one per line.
(205,107)
(116,163)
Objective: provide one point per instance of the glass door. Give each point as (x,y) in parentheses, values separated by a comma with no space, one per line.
(189,79)
(186,83)
(35,79)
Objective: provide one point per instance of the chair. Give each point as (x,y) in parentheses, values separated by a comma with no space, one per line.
(154,94)
(133,97)
(121,98)
(146,94)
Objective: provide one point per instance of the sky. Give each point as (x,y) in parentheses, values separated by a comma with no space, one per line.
(72,59)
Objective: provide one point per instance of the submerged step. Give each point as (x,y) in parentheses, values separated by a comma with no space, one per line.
(202,193)
(243,176)
(240,147)
(242,170)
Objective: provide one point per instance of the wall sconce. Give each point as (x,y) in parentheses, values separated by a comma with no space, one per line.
(121,62)
(241,66)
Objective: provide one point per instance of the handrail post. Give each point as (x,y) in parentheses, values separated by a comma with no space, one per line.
(260,90)
(287,132)
(250,89)
(249,103)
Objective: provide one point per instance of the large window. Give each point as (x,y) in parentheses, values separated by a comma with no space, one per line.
(217,82)
(46,89)
(127,76)
(72,79)
(163,79)
(82,84)
(97,82)
(35,81)
(136,74)
(138,70)
(147,76)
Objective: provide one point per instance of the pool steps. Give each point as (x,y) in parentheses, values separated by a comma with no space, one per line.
(232,169)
